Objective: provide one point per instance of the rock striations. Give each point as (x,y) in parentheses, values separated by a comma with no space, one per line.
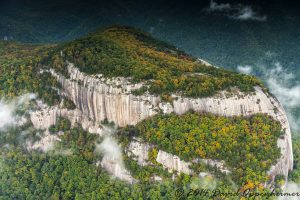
(98,98)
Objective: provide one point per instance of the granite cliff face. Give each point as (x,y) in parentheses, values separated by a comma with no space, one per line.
(98,98)
(139,150)
(46,116)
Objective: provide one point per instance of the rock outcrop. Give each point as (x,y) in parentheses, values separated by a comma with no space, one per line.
(45,117)
(100,98)
(139,150)
(172,162)
(246,105)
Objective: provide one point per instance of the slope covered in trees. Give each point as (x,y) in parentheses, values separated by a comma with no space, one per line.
(20,72)
(128,52)
(115,51)
(247,145)
(69,171)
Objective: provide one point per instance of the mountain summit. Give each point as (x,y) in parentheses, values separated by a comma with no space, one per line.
(174,117)
(128,52)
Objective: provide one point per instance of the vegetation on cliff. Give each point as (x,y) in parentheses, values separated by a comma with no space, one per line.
(128,52)
(247,145)
(69,172)
(20,72)
(114,51)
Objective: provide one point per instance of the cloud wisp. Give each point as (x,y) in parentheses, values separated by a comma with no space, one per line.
(247,69)
(112,159)
(8,110)
(247,13)
(237,12)
(279,82)
(214,6)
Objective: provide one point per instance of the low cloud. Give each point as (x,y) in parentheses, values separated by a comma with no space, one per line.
(8,110)
(237,11)
(112,159)
(247,69)
(279,82)
(110,150)
(247,13)
(213,6)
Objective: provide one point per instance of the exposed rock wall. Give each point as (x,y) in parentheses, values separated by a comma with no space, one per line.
(140,150)
(101,98)
(173,162)
(47,116)
(247,105)
(44,118)
(45,144)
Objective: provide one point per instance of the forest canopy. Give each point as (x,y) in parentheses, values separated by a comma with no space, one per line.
(248,145)
(115,51)
(129,52)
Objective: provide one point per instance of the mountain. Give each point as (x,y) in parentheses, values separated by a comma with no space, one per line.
(170,113)
(267,36)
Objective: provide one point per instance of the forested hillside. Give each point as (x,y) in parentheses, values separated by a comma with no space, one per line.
(71,170)
(128,52)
